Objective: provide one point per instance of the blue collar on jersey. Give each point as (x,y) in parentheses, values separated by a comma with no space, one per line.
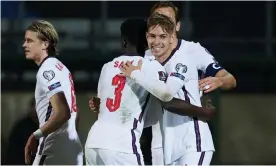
(173,51)
(44,61)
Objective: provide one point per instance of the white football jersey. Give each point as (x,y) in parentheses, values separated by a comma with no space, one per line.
(154,114)
(148,55)
(182,134)
(188,133)
(120,120)
(53,77)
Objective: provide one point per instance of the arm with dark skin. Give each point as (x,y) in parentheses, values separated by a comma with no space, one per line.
(176,106)
(184,108)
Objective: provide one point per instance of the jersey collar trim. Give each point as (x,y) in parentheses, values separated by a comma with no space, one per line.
(173,51)
(43,61)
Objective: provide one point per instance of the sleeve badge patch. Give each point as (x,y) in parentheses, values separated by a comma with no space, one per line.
(49,75)
(180,68)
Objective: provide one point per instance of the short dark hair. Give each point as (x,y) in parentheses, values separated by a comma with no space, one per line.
(165,4)
(134,31)
(163,21)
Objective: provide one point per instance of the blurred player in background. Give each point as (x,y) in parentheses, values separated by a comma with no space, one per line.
(186,140)
(114,137)
(56,108)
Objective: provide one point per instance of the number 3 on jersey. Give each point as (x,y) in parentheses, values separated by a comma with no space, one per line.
(114,104)
(73,95)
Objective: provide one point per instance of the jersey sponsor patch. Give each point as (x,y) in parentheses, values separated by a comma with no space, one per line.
(54,86)
(180,68)
(162,76)
(49,75)
(178,75)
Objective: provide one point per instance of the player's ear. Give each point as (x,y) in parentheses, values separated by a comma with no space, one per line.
(177,28)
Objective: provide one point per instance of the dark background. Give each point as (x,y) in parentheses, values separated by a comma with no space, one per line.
(240,35)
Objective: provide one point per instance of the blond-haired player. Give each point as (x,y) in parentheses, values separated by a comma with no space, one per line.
(55,98)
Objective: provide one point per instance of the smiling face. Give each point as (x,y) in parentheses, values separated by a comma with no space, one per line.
(160,34)
(159,41)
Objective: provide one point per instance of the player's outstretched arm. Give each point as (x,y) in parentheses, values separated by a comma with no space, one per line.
(161,90)
(184,108)
(227,79)
(222,80)
(216,75)
(61,114)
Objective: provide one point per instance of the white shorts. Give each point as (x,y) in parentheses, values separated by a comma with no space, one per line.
(157,156)
(96,156)
(195,158)
(58,160)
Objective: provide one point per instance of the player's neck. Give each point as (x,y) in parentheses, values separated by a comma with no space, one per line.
(174,43)
(40,58)
(131,51)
